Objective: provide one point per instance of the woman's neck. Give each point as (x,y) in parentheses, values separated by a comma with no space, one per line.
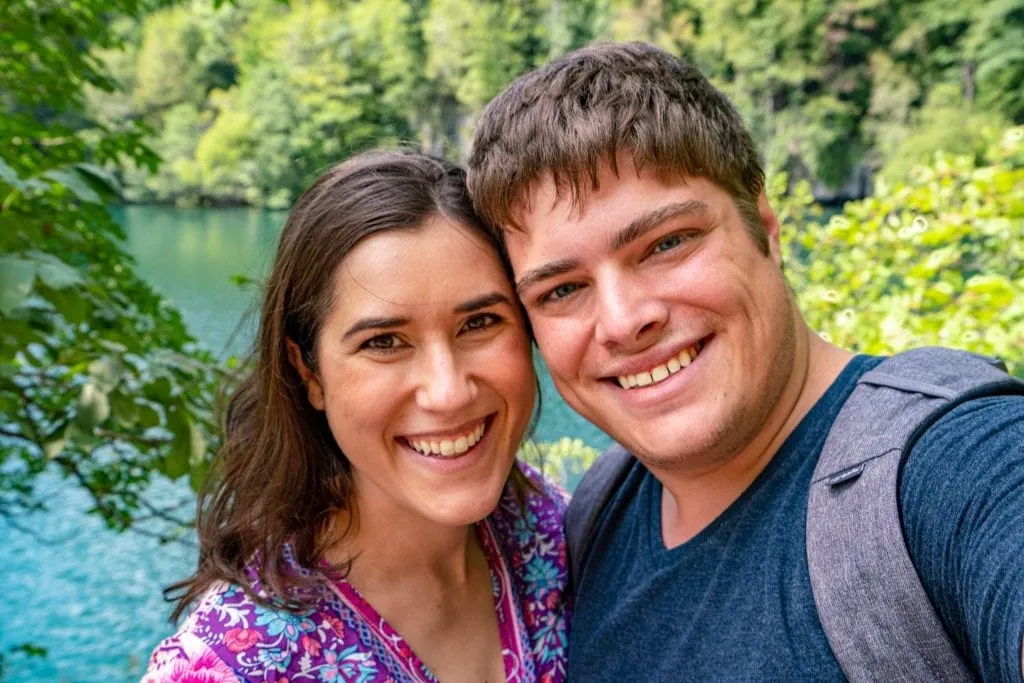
(389,545)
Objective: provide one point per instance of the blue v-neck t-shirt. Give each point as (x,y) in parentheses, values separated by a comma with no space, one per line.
(734,603)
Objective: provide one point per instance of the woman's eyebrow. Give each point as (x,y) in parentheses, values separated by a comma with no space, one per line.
(482,301)
(375,324)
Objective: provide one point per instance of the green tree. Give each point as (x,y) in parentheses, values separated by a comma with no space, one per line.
(934,259)
(99,380)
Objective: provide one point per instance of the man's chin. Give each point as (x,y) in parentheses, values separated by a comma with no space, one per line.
(669,446)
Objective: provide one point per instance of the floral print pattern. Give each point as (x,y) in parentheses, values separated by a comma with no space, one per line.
(229,637)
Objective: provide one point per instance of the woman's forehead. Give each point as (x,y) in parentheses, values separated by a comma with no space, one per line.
(437,264)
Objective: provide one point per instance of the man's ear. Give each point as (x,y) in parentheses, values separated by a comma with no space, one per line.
(771,228)
(314,391)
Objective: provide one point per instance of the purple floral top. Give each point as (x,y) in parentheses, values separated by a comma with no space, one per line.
(229,637)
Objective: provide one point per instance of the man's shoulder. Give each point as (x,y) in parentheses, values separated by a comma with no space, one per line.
(926,384)
(975,430)
(599,485)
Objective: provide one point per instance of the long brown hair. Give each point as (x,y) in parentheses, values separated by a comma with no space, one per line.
(280,479)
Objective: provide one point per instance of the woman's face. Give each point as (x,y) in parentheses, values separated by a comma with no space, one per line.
(424,373)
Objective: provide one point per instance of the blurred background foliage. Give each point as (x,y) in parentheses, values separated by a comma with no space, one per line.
(934,258)
(908,107)
(249,100)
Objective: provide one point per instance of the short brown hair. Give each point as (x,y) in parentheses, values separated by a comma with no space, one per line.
(582,109)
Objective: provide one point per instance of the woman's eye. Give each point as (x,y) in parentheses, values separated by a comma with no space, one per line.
(382,342)
(482,321)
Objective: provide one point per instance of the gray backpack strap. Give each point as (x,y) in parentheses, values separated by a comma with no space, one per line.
(878,619)
(588,500)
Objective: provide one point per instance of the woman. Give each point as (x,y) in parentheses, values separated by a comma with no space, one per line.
(367,520)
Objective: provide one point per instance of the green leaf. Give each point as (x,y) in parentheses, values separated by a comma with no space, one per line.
(148,416)
(16,278)
(56,273)
(101,180)
(10,176)
(51,449)
(69,303)
(158,391)
(197,475)
(106,373)
(75,183)
(241,280)
(176,462)
(30,649)
(125,410)
(93,406)
(989,284)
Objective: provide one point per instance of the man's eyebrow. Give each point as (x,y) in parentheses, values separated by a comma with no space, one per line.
(482,301)
(375,324)
(541,273)
(646,222)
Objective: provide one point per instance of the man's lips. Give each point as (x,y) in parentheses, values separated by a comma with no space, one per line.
(644,372)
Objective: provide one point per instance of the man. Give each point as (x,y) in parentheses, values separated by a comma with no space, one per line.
(631,199)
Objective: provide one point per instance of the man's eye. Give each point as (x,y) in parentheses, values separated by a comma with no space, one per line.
(560,292)
(382,342)
(482,321)
(667,244)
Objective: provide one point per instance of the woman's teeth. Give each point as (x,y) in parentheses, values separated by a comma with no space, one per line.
(451,446)
(660,372)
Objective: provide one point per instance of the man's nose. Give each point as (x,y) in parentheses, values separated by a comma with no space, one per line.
(445,385)
(628,314)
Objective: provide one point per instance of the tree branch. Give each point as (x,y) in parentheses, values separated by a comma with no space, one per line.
(133,438)
(8,433)
(12,522)
(164,514)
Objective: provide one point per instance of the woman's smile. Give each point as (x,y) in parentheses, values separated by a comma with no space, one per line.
(450,444)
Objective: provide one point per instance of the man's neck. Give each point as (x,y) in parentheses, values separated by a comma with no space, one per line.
(693,498)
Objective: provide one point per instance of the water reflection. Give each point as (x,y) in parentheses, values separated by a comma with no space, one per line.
(190,256)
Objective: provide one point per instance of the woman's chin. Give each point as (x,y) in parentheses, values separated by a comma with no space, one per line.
(465,507)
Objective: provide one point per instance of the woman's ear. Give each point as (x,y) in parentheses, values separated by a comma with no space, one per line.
(314,391)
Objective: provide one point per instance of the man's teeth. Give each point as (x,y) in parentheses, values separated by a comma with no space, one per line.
(448,447)
(659,372)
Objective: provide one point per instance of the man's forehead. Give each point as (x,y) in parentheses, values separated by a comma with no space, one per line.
(565,193)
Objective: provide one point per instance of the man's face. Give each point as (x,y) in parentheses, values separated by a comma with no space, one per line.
(660,319)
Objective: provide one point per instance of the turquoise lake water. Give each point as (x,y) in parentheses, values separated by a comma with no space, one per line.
(89,595)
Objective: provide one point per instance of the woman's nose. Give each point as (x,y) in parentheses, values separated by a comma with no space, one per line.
(445,385)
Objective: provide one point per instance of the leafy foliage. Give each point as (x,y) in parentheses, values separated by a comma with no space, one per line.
(250,99)
(934,259)
(563,461)
(245,102)
(98,376)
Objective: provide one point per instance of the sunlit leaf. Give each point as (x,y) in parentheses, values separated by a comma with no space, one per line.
(73,181)
(93,406)
(16,278)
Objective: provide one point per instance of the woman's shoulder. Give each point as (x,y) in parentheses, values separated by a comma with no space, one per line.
(184,656)
(230,635)
(529,528)
(523,517)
